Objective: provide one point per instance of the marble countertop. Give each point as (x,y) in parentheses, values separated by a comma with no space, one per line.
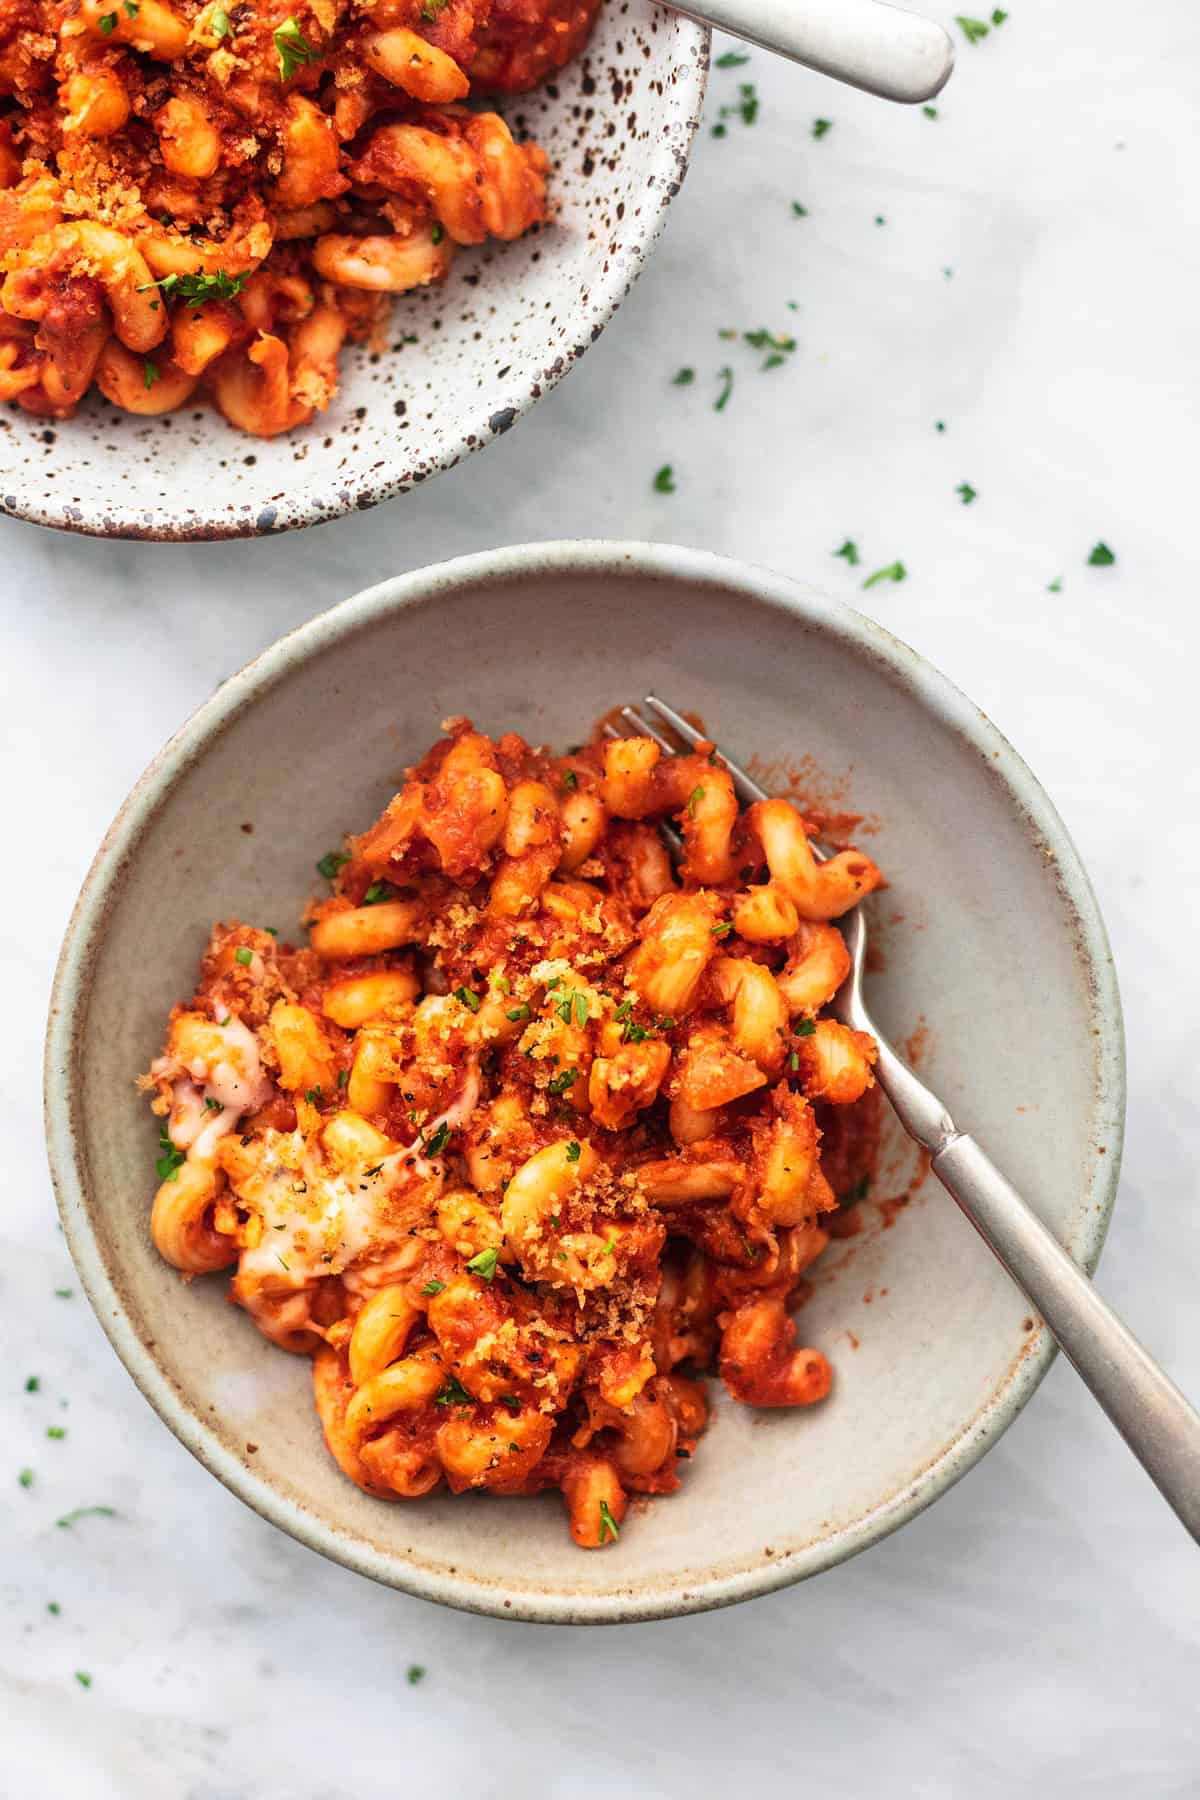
(1023,268)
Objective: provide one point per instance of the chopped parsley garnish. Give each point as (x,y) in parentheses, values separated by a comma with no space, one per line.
(343,1077)
(581,1010)
(26,1478)
(83,1678)
(434,1286)
(664,480)
(931,112)
(570,779)
(416,1673)
(484,1265)
(85,1512)
(683,378)
(378,890)
(293,47)
(437,233)
(1101,557)
(431,8)
(725,377)
(610,1249)
(893,572)
(194,290)
(732,59)
(331,862)
(219,21)
(131,8)
(244,956)
(512,1403)
(211,1105)
(623,1011)
(574,1151)
(562,1082)
(314,1096)
(453,1394)
(608,1525)
(693,800)
(974,30)
(32,1384)
(966,492)
(468,997)
(794,1061)
(517,1012)
(107,23)
(57,1432)
(805,1027)
(798,211)
(437,1143)
(168,1165)
(149,373)
(721,931)
(821,126)
(849,553)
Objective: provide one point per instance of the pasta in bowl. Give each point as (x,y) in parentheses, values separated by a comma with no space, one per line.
(930,1349)
(529,1134)
(366,233)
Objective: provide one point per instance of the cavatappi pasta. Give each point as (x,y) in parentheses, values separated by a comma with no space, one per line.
(529,1136)
(209,199)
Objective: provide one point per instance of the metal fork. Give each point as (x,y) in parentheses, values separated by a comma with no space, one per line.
(1157,1422)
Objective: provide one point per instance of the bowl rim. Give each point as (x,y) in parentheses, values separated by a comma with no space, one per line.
(861,636)
(489,415)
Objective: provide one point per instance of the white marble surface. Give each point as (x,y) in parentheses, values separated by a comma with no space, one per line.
(1036,1632)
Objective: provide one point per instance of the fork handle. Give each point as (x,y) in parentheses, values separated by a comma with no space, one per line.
(864,43)
(1160,1426)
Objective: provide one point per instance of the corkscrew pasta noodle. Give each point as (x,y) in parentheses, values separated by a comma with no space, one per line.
(208,199)
(528,1137)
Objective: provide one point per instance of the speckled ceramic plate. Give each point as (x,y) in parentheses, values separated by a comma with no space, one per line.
(467,358)
(934,1352)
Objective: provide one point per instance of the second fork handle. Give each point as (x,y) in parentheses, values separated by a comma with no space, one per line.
(866,43)
(1158,1423)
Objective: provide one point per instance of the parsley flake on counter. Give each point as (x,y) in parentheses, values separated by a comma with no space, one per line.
(608,1525)
(64,1293)
(893,572)
(966,492)
(32,1384)
(293,47)
(683,378)
(879,219)
(85,1512)
(416,1674)
(1055,587)
(778,344)
(931,112)
(56,1431)
(821,126)
(732,59)
(168,1165)
(664,480)
(26,1478)
(798,211)
(83,1678)
(725,377)
(939,425)
(849,553)
(331,862)
(998,17)
(484,1265)
(434,1286)
(1101,557)
(974,30)
(53,1607)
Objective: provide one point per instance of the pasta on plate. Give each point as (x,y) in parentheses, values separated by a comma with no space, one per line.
(541,1125)
(210,199)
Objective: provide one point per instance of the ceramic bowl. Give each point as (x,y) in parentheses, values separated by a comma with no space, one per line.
(467,358)
(993,953)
